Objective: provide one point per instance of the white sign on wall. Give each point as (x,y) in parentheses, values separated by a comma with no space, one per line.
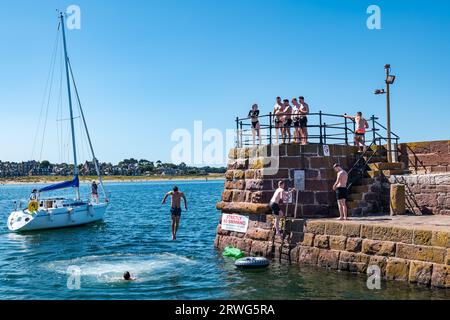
(299,180)
(287,197)
(326,150)
(234,222)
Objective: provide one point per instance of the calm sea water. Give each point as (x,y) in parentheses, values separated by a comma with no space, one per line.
(135,237)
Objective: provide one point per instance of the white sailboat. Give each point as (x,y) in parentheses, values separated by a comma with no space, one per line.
(50,213)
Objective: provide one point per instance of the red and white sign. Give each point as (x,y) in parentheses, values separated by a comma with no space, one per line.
(234,222)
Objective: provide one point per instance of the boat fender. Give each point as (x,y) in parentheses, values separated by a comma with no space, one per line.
(91,209)
(70,211)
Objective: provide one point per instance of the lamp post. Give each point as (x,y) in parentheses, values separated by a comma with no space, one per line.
(389,80)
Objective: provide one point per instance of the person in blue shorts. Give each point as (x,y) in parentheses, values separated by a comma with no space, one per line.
(175,208)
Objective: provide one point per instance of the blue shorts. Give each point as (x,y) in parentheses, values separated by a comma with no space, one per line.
(176,212)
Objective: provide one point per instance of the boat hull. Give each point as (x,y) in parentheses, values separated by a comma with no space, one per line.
(20,221)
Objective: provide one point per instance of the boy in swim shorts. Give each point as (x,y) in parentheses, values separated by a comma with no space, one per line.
(275,202)
(340,186)
(175,208)
(360,129)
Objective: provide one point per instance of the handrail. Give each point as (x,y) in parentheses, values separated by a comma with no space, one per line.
(320,130)
(396,136)
(417,160)
(364,164)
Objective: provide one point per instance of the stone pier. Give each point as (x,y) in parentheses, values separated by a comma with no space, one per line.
(407,248)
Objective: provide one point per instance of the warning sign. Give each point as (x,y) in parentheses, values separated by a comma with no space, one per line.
(234,222)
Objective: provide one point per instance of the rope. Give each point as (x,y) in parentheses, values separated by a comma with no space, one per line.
(49,75)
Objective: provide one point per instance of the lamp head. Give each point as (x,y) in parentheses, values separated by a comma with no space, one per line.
(390,79)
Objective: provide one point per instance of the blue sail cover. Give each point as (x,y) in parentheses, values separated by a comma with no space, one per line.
(75,183)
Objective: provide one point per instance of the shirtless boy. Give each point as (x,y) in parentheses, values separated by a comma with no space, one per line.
(296,120)
(275,202)
(287,114)
(340,186)
(175,208)
(360,129)
(304,111)
(277,117)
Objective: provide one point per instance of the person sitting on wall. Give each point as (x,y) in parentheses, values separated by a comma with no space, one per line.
(340,187)
(360,129)
(275,202)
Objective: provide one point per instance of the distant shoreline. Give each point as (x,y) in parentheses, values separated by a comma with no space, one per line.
(108,179)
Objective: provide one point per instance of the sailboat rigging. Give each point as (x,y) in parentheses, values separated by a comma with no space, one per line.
(49,213)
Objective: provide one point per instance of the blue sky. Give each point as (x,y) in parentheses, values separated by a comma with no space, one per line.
(146,68)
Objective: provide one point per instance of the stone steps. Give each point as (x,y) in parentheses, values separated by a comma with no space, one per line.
(375,159)
(387,173)
(386,166)
(360,188)
(355,196)
(364,182)
(352,204)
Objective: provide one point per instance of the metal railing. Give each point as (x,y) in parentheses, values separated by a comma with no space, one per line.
(323,128)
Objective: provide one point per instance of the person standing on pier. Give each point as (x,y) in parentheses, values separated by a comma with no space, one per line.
(287,115)
(360,129)
(277,118)
(296,119)
(175,208)
(275,202)
(256,129)
(94,191)
(340,186)
(304,110)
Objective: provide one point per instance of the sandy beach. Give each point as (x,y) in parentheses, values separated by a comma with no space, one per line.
(108,179)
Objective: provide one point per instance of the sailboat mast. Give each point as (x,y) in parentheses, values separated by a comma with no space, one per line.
(72,126)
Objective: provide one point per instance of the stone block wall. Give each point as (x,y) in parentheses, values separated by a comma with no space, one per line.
(401,253)
(407,254)
(426,193)
(253,174)
(426,157)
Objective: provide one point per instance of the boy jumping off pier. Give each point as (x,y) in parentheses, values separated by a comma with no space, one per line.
(175,208)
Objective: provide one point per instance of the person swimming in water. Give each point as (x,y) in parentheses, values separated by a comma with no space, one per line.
(127,276)
(175,208)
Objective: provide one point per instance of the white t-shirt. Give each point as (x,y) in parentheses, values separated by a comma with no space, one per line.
(277,196)
(295,112)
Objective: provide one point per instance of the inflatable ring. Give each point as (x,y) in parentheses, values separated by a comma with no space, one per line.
(252,263)
(33,206)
